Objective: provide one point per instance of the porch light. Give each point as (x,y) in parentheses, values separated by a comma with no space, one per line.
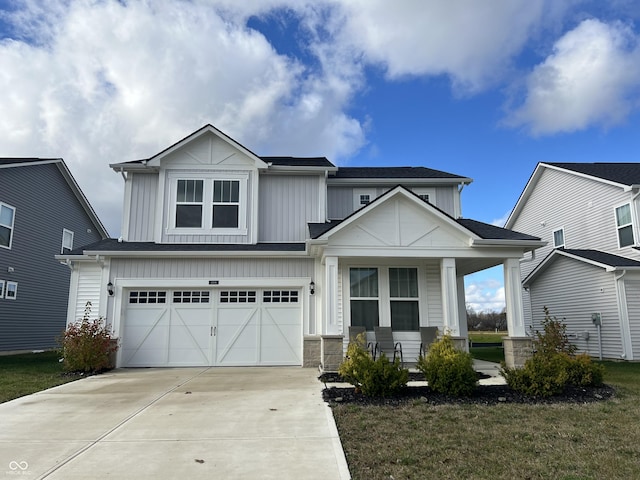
(312,288)
(110,289)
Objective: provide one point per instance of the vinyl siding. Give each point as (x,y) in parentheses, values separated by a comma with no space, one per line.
(45,205)
(632,288)
(144,191)
(339,202)
(211,268)
(88,290)
(583,207)
(286,205)
(572,291)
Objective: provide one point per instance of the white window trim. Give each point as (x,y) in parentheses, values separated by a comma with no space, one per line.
(69,232)
(207,206)
(11,284)
(632,224)
(358,192)
(426,191)
(553,237)
(1,288)
(12,226)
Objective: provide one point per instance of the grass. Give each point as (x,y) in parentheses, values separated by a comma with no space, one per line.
(29,373)
(506,441)
(490,354)
(487,337)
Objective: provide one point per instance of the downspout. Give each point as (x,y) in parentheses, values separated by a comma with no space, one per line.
(622,308)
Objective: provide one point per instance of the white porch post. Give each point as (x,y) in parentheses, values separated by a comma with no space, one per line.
(450,297)
(513,298)
(331,326)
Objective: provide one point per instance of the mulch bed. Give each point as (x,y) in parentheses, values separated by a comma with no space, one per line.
(483,395)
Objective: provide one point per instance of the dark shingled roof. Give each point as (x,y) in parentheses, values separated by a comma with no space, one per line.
(299,161)
(317,229)
(393,172)
(603,257)
(113,245)
(623,173)
(488,231)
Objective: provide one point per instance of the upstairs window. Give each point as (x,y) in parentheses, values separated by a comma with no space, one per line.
(624,224)
(558,238)
(12,291)
(363,197)
(67,240)
(226,203)
(7,216)
(189,202)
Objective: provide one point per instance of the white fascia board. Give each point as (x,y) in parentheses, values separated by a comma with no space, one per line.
(551,258)
(524,195)
(488,242)
(133,167)
(298,169)
(44,161)
(398,181)
(198,254)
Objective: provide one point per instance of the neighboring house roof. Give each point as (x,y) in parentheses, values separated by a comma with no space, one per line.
(390,173)
(114,246)
(607,261)
(299,161)
(66,174)
(483,231)
(623,175)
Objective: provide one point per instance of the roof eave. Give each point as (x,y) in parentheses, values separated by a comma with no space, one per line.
(191,253)
(488,242)
(396,181)
(300,168)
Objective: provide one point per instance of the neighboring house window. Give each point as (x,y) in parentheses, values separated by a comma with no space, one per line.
(625,225)
(12,291)
(67,240)
(558,238)
(365,199)
(1,288)
(424,196)
(7,216)
(364,297)
(226,203)
(403,290)
(189,201)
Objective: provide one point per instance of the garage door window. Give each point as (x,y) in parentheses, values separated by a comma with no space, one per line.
(280,296)
(191,296)
(147,296)
(238,296)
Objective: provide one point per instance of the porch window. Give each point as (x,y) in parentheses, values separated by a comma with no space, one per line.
(625,225)
(403,290)
(364,297)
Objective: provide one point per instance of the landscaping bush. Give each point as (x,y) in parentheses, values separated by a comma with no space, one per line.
(447,369)
(554,364)
(374,378)
(86,346)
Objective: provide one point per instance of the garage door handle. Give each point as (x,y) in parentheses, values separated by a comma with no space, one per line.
(213,331)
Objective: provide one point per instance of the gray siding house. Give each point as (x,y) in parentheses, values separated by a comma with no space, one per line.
(589,272)
(230,258)
(43,213)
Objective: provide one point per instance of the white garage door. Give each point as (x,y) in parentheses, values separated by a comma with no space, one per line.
(212,327)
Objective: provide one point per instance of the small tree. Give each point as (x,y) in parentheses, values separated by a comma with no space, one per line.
(86,346)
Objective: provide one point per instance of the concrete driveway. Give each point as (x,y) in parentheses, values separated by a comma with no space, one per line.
(175,423)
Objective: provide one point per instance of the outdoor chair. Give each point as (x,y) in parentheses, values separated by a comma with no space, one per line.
(428,335)
(354,336)
(385,344)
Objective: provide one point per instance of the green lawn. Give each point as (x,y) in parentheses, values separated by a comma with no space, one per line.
(30,372)
(487,337)
(505,441)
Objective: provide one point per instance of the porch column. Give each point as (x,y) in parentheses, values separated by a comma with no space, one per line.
(513,298)
(450,311)
(330,295)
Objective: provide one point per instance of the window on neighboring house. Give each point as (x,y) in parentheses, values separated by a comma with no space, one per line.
(226,203)
(67,240)
(403,290)
(12,291)
(424,196)
(1,288)
(558,238)
(364,297)
(624,224)
(363,197)
(189,201)
(7,216)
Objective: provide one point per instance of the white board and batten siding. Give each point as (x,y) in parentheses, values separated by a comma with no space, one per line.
(572,291)
(584,208)
(142,210)
(286,205)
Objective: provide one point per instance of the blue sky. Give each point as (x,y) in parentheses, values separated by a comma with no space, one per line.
(481,89)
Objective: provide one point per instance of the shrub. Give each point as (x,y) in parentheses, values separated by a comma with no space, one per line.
(374,378)
(553,365)
(86,346)
(448,370)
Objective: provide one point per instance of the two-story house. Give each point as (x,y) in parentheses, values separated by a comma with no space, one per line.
(229,258)
(43,213)
(588,274)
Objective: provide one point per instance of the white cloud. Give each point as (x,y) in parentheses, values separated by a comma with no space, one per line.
(484,294)
(499,222)
(592,78)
